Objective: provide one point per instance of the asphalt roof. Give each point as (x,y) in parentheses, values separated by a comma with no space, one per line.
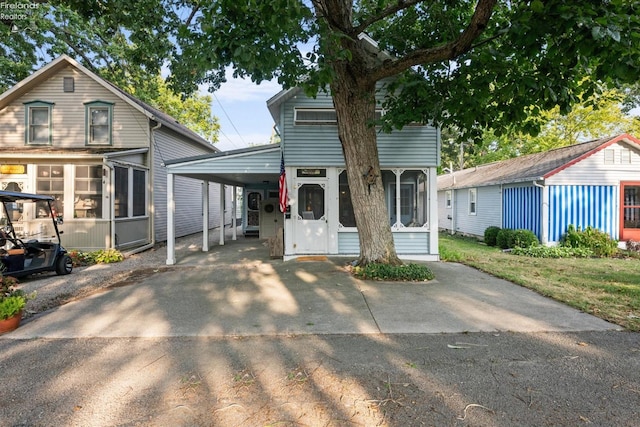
(531,167)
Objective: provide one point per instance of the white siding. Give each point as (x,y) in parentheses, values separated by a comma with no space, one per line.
(594,171)
(130,129)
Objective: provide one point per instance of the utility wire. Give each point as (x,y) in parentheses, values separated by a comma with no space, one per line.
(230,121)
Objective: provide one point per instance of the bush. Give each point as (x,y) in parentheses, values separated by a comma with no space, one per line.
(108,256)
(504,238)
(490,235)
(599,242)
(404,272)
(553,252)
(524,239)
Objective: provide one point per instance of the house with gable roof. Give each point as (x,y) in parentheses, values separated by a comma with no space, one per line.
(101,153)
(591,184)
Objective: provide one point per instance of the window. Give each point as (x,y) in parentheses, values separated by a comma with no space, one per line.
(311,201)
(68,84)
(406,194)
(130,192)
(625,156)
(87,201)
(472,201)
(50,182)
(346,217)
(609,156)
(447,196)
(122,192)
(139,192)
(38,122)
(320,116)
(99,117)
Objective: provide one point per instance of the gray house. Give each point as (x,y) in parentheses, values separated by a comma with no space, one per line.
(320,218)
(595,184)
(101,154)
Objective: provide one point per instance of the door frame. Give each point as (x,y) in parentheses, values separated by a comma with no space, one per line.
(311,236)
(627,233)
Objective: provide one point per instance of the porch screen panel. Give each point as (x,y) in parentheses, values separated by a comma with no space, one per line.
(521,208)
(582,206)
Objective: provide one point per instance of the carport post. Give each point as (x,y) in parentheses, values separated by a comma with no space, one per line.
(205,216)
(171,214)
(234,209)
(221,214)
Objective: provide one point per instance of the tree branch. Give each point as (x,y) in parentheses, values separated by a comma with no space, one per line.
(388,11)
(447,51)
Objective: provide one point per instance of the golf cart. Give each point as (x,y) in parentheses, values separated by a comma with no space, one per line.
(19,256)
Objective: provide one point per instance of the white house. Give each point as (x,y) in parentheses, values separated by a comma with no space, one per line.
(101,154)
(594,184)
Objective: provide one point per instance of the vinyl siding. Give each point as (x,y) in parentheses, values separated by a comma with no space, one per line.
(188,192)
(594,171)
(318,145)
(521,208)
(130,129)
(406,243)
(583,206)
(488,210)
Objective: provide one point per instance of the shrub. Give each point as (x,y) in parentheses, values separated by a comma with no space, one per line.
(524,238)
(633,246)
(504,238)
(553,252)
(405,272)
(108,256)
(598,241)
(490,235)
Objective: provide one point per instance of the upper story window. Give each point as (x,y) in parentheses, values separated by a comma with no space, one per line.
(38,129)
(319,116)
(609,156)
(99,119)
(448,197)
(625,156)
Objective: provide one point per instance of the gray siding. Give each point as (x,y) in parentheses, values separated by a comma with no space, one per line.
(130,129)
(406,243)
(318,145)
(188,192)
(488,210)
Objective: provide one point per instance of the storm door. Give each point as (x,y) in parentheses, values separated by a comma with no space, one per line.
(311,228)
(630,211)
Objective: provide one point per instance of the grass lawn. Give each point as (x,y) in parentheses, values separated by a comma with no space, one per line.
(605,287)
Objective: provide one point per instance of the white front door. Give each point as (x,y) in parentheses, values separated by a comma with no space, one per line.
(311,227)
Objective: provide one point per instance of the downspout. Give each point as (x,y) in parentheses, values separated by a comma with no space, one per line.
(544,211)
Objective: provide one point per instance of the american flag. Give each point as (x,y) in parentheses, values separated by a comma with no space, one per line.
(282,186)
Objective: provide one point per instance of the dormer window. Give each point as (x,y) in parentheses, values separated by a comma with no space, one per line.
(99,118)
(38,123)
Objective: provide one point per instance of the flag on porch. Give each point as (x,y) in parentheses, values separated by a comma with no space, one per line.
(282,186)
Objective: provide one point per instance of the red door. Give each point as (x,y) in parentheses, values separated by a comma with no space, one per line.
(630,211)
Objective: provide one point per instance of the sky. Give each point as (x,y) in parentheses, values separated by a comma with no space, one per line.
(241,108)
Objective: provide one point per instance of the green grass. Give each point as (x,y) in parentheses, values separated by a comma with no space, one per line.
(605,287)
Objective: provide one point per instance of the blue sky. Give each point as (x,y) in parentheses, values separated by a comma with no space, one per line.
(241,108)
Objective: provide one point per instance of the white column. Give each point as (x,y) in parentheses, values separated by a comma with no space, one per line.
(221,214)
(432,176)
(234,209)
(205,216)
(171,227)
(544,217)
(398,173)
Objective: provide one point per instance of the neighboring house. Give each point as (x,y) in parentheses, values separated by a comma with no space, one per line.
(321,220)
(595,184)
(100,153)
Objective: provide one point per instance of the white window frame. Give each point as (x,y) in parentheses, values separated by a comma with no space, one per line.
(447,197)
(297,120)
(609,156)
(89,108)
(29,107)
(473,201)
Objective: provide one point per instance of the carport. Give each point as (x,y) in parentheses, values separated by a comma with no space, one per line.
(236,168)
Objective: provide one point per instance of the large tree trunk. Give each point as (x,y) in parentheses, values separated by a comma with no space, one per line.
(354,102)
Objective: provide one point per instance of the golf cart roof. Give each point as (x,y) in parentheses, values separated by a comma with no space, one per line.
(14,196)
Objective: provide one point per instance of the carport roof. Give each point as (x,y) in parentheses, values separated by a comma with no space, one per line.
(253,165)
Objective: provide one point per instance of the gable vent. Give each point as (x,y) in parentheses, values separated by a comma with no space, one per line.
(68,84)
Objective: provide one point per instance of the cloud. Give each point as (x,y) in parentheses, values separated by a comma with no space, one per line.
(243,90)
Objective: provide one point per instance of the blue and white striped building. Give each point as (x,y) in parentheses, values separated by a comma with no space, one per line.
(595,184)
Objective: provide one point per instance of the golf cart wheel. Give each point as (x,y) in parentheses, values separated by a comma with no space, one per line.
(64,265)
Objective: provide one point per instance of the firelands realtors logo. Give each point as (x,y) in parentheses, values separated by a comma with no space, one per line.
(16,13)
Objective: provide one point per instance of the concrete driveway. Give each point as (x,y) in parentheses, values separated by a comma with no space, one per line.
(236,290)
